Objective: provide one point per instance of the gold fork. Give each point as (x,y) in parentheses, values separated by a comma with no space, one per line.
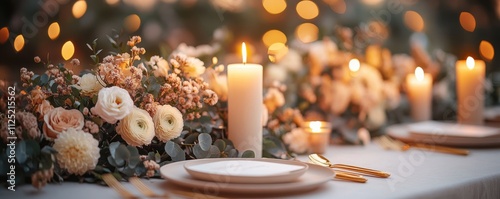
(389,143)
(111,181)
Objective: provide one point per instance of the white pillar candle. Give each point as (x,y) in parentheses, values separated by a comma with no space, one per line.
(245,106)
(419,90)
(470,91)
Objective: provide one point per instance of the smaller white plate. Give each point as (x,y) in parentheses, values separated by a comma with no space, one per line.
(246,170)
(402,132)
(314,177)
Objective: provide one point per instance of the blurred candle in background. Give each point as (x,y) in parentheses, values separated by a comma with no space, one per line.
(245,105)
(470,91)
(419,90)
(319,135)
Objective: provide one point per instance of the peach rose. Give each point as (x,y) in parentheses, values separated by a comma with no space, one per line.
(59,119)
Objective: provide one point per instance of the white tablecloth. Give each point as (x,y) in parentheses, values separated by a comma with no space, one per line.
(415,174)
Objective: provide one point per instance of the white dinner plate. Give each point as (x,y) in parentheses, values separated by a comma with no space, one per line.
(402,132)
(314,177)
(245,170)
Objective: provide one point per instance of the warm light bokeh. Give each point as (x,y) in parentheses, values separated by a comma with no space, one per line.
(54,30)
(274,6)
(414,21)
(67,50)
(112,2)
(4,35)
(467,21)
(338,6)
(487,50)
(307,32)
(79,8)
(354,65)
(19,43)
(132,23)
(277,51)
(307,9)
(273,36)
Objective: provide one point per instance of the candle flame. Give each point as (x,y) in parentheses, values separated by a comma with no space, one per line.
(244,52)
(354,65)
(419,74)
(315,126)
(470,62)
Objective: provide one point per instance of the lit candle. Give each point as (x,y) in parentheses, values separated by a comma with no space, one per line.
(245,105)
(470,91)
(354,66)
(319,136)
(419,90)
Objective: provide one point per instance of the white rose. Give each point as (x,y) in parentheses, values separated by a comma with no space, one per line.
(89,85)
(136,128)
(168,122)
(113,104)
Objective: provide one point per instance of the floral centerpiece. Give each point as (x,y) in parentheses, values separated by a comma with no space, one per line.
(128,116)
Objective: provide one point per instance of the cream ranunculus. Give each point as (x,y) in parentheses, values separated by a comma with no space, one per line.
(59,119)
(77,151)
(113,104)
(168,122)
(137,128)
(89,85)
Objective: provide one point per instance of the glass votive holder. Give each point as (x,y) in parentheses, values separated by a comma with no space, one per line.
(319,135)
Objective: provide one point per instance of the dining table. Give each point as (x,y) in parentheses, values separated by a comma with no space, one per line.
(415,173)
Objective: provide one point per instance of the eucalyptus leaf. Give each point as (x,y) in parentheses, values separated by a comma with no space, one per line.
(199,153)
(206,128)
(112,148)
(21,155)
(134,157)
(112,162)
(191,138)
(220,144)
(205,141)
(53,88)
(32,148)
(205,119)
(214,152)
(170,148)
(44,79)
(248,154)
(233,153)
(122,155)
(48,150)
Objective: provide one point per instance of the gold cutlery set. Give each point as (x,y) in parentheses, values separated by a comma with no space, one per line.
(347,172)
(355,174)
(392,144)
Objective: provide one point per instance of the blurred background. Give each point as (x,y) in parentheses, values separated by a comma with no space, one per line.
(31,28)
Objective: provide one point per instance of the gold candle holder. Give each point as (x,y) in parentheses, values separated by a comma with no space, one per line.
(319,135)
